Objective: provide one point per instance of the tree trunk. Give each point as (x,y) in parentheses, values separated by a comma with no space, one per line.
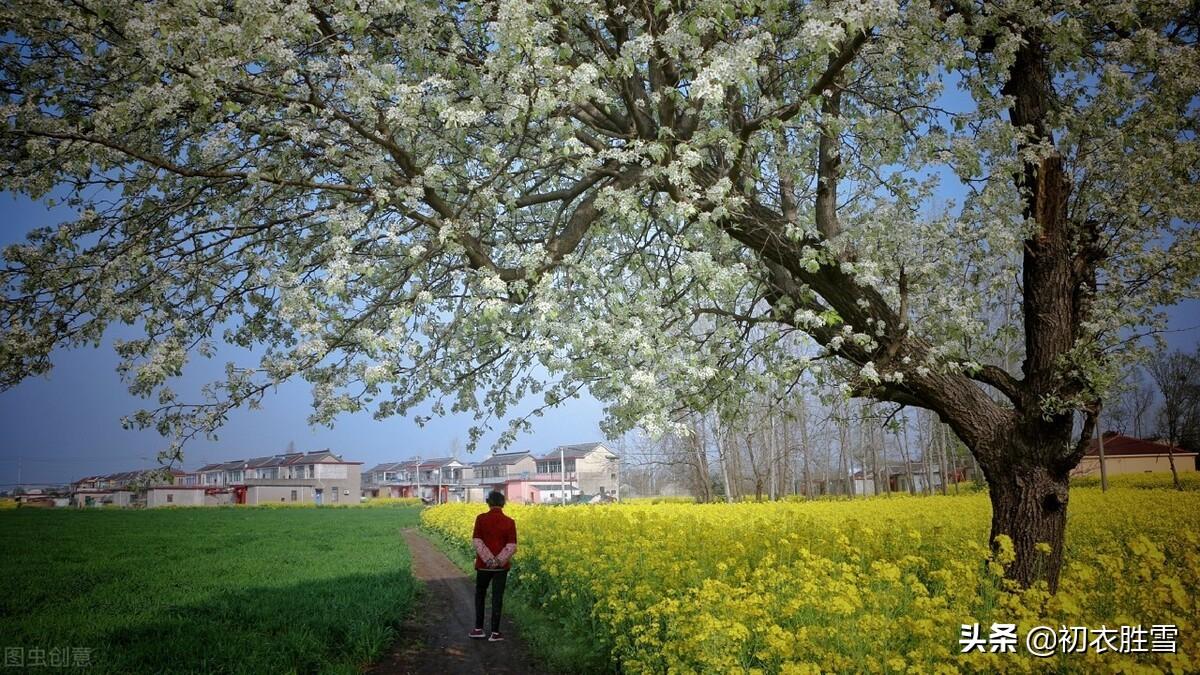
(805,449)
(844,463)
(926,455)
(722,454)
(772,454)
(946,445)
(903,444)
(700,446)
(878,447)
(936,431)
(1174,472)
(1029,506)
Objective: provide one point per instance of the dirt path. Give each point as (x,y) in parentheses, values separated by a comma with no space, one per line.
(435,639)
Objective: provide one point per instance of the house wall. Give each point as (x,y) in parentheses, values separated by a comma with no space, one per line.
(1090,465)
(219,499)
(864,486)
(555,496)
(332,471)
(122,498)
(920,481)
(80,498)
(346,479)
(156,497)
(524,466)
(473,494)
(278,494)
(594,473)
(114,497)
(519,492)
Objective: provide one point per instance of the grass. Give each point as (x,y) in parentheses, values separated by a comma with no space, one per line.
(224,590)
(554,643)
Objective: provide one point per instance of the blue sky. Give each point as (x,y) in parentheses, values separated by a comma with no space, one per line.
(66,425)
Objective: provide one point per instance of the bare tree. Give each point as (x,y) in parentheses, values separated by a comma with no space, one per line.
(1128,410)
(1178,378)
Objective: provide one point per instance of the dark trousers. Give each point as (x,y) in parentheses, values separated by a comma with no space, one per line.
(497,579)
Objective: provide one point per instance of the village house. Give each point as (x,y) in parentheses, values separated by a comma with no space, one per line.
(916,478)
(1125,454)
(592,467)
(43,497)
(125,488)
(318,477)
(591,471)
(436,480)
(186,495)
(511,473)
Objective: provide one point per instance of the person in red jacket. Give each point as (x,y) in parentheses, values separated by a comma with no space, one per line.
(495,540)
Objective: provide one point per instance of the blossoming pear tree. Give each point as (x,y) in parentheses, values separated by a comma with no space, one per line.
(406,201)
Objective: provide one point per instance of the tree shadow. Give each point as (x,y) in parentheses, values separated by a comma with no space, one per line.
(336,624)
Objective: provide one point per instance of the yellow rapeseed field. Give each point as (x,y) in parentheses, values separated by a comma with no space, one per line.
(877,585)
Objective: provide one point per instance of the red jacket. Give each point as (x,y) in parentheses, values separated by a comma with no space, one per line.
(496,531)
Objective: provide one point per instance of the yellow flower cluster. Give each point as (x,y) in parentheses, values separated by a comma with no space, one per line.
(374,502)
(1188,480)
(878,585)
(393,501)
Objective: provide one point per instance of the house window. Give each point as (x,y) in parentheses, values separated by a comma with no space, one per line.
(293,495)
(335,492)
(170,498)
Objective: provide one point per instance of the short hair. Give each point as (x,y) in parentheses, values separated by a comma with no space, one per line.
(495,498)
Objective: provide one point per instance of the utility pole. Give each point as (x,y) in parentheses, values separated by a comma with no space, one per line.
(1103,468)
(618,477)
(417,469)
(562,473)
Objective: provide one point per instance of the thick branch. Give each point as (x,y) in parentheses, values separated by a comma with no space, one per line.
(829,160)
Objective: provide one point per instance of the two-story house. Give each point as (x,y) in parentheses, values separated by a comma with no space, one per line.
(435,479)
(124,488)
(592,467)
(319,477)
(513,473)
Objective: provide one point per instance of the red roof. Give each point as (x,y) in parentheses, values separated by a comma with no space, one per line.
(1117,445)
